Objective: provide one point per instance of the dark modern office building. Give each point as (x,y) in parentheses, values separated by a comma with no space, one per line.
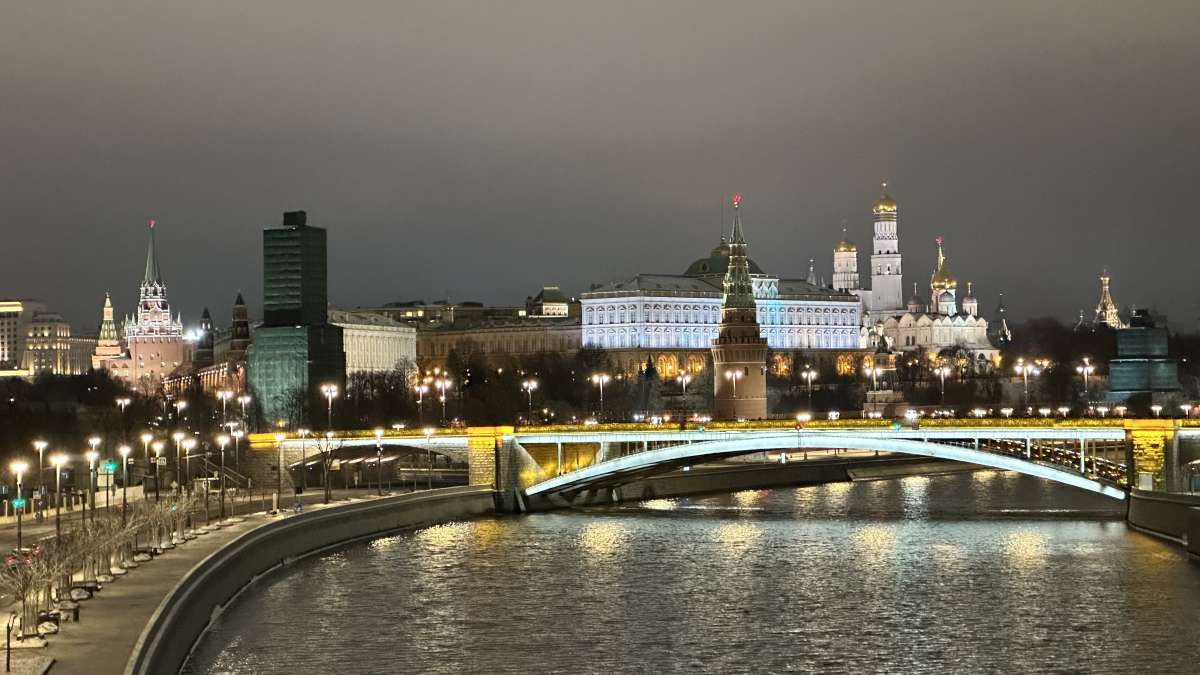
(1143,372)
(296,350)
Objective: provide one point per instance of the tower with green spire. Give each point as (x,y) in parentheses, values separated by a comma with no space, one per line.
(740,351)
(108,344)
(153,336)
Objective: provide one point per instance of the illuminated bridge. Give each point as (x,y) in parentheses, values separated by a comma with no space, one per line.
(562,462)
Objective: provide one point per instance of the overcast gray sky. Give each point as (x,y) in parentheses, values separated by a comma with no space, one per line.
(477,150)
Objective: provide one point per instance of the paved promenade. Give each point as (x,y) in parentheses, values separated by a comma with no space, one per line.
(112,621)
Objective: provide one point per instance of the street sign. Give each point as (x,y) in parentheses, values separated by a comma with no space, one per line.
(18,503)
(109,467)
(162,461)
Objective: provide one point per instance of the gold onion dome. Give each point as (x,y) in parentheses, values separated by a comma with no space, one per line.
(885,203)
(845,245)
(942,279)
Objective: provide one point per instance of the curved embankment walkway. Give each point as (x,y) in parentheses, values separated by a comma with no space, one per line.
(148,622)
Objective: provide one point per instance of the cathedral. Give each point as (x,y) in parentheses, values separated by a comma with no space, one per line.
(153,338)
(929,326)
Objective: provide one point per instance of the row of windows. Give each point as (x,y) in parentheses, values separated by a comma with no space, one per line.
(769,315)
(698,339)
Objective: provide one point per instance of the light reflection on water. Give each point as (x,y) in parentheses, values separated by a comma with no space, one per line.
(971,572)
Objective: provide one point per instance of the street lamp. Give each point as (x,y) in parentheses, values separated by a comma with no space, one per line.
(379,461)
(429,453)
(223,440)
(1025,370)
(224,395)
(733,376)
(600,379)
(330,392)
(683,381)
(1063,410)
(942,372)
(178,437)
(279,438)
(1187,410)
(874,372)
(57,460)
(179,406)
(1085,370)
(442,383)
(244,400)
(146,438)
(92,456)
(19,468)
(528,386)
(40,446)
(158,447)
(1156,409)
(237,451)
(189,444)
(421,390)
(124,450)
(303,469)
(809,374)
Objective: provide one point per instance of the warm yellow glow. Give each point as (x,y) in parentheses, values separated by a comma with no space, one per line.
(737,538)
(660,504)
(58,459)
(602,538)
(1025,546)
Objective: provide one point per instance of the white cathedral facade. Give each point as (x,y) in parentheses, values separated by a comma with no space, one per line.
(918,325)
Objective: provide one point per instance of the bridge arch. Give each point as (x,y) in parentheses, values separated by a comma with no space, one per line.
(615,471)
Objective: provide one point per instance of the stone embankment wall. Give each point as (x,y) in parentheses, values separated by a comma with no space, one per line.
(184,614)
(1166,515)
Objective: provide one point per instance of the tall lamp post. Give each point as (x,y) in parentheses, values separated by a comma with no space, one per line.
(330,392)
(942,372)
(421,390)
(222,440)
(92,456)
(237,450)
(158,447)
(442,384)
(683,380)
(1025,370)
(123,403)
(224,395)
(40,446)
(19,468)
(188,444)
(1085,371)
(178,437)
(528,386)
(809,375)
(124,450)
(600,379)
(179,406)
(279,438)
(57,460)
(146,438)
(379,461)
(734,376)
(874,372)
(244,400)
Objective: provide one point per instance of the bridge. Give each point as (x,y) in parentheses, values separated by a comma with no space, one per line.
(560,462)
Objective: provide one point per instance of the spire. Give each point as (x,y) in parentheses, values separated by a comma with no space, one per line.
(239,300)
(736,237)
(152,275)
(738,288)
(812,272)
(942,279)
(969,294)
(1107,313)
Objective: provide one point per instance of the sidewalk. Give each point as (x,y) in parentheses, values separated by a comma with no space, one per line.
(112,621)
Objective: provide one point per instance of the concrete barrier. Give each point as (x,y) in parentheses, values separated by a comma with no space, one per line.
(184,614)
(1163,514)
(1193,538)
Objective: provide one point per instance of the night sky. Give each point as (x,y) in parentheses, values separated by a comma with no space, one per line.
(478,150)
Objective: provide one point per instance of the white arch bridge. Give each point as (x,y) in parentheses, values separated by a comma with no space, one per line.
(1087,457)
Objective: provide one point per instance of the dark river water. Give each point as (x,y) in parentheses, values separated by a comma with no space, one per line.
(963,573)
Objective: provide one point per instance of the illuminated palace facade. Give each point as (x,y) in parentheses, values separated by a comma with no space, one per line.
(673,319)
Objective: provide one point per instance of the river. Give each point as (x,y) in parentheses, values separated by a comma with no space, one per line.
(983,571)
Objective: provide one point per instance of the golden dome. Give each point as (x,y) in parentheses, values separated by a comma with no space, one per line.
(845,245)
(885,203)
(942,278)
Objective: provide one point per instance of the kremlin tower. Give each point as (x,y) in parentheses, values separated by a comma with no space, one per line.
(739,352)
(154,338)
(1106,310)
(108,345)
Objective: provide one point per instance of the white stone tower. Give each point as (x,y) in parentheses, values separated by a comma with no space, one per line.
(887,282)
(845,265)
